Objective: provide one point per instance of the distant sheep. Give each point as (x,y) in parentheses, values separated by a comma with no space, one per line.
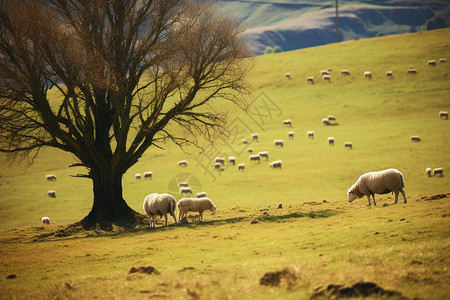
(345,72)
(439,171)
(264,154)
(137,175)
(148,175)
(182,163)
(327,78)
(159,204)
(411,70)
(249,150)
(287,75)
(415,138)
(51,194)
(232,160)
(199,205)
(241,167)
(183,184)
(431,62)
(255,136)
(348,145)
(287,122)
(291,135)
(217,166)
(324,72)
(278,143)
(185,190)
(200,195)
(368,74)
(331,141)
(381,182)
(310,134)
(331,118)
(275,164)
(325,121)
(244,142)
(255,157)
(52,177)
(45,221)
(443,114)
(389,74)
(310,79)
(428,171)
(219,160)
(442,60)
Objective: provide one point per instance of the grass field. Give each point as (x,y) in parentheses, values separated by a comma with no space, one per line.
(401,247)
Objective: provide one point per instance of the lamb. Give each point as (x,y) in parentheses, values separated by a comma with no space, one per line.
(345,72)
(310,134)
(348,145)
(415,138)
(51,194)
(368,74)
(160,204)
(327,77)
(182,163)
(45,220)
(52,177)
(278,143)
(275,164)
(310,79)
(255,137)
(442,114)
(201,195)
(428,171)
(241,167)
(389,74)
(431,62)
(148,175)
(138,176)
(185,190)
(439,171)
(264,154)
(255,157)
(381,182)
(287,122)
(331,141)
(287,75)
(291,135)
(232,160)
(199,205)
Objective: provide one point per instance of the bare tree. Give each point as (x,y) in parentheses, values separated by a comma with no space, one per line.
(124,76)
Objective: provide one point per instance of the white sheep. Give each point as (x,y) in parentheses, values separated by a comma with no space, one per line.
(278,143)
(185,190)
(324,72)
(287,122)
(52,177)
(325,121)
(45,220)
(310,134)
(199,205)
(345,72)
(331,118)
(255,157)
(327,77)
(415,138)
(255,137)
(431,62)
(51,194)
(148,175)
(428,171)
(443,114)
(411,70)
(439,171)
(241,167)
(232,160)
(348,145)
(200,195)
(291,135)
(138,176)
(244,142)
(219,160)
(368,74)
(183,184)
(159,204)
(182,163)
(389,74)
(381,182)
(249,150)
(264,154)
(310,79)
(275,164)
(287,75)
(331,141)
(442,60)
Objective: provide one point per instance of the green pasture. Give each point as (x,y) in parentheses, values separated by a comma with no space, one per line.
(402,247)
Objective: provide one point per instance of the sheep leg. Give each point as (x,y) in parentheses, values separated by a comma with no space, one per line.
(174,217)
(403,194)
(165,217)
(396,197)
(374,203)
(200,216)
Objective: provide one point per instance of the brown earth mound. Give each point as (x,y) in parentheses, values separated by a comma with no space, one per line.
(357,290)
(275,278)
(144,270)
(433,197)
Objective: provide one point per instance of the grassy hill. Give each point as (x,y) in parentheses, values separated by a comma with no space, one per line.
(401,247)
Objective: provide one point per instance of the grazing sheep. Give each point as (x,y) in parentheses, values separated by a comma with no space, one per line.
(138,176)
(217,166)
(255,137)
(159,204)
(368,74)
(244,142)
(51,194)
(249,150)
(348,145)
(52,177)
(232,160)
(291,135)
(443,114)
(183,184)
(345,72)
(442,60)
(389,73)
(264,154)
(275,164)
(185,190)
(255,157)
(310,79)
(182,163)
(148,175)
(287,122)
(439,171)
(45,220)
(331,118)
(325,121)
(310,134)
(324,72)
(331,141)
(415,138)
(411,70)
(428,171)
(287,75)
(199,205)
(200,195)
(219,160)
(327,77)
(278,143)
(381,182)
(241,167)
(431,62)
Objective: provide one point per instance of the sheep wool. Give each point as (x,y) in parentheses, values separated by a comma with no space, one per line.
(159,204)
(199,205)
(381,182)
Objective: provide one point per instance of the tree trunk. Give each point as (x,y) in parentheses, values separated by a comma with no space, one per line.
(109,206)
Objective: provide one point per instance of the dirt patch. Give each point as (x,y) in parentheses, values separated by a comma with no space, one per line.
(433,197)
(357,290)
(276,278)
(144,270)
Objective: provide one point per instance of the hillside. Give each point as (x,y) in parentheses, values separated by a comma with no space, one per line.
(301,24)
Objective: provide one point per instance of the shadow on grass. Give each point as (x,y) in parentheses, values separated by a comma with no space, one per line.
(314,214)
